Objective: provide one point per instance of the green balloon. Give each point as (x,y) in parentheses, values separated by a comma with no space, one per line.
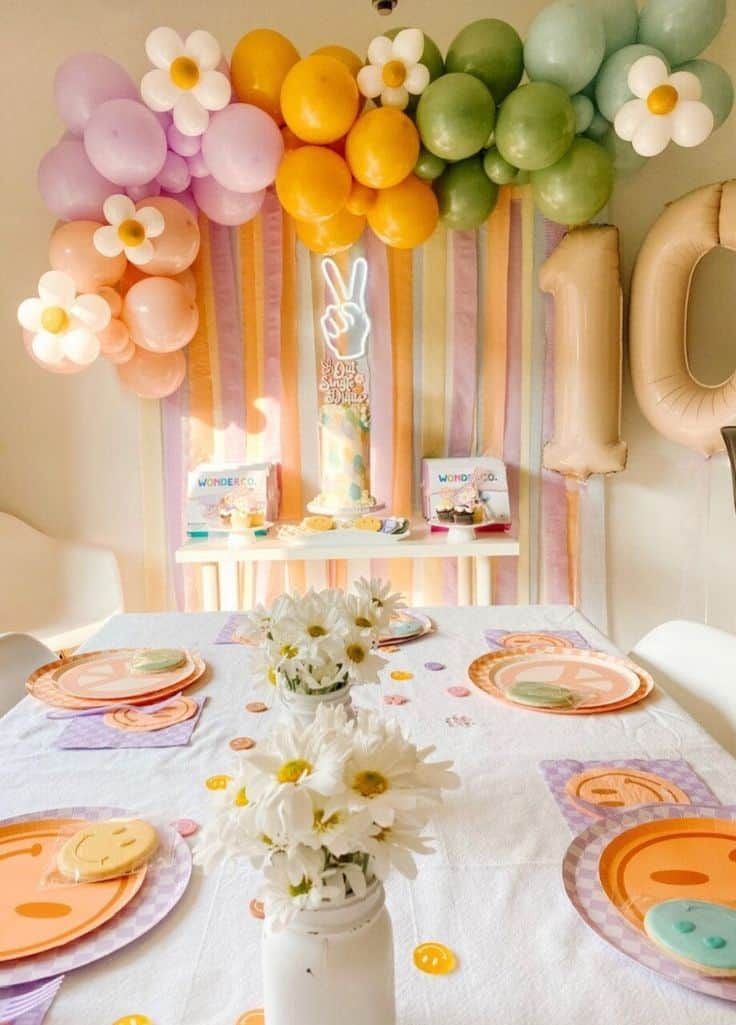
(577,187)
(466,195)
(535,126)
(455,116)
(718,93)
(620,22)
(428,166)
(584,113)
(565,45)
(598,128)
(681,29)
(500,171)
(626,160)
(612,86)
(491,50)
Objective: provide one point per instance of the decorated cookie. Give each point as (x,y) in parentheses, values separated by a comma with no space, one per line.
(320,524)
(369,523)
(157,660)
(107,850)
(541,695)
(697,933)
(612,787)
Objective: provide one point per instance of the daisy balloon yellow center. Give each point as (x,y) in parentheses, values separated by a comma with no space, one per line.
(663,100)
(54,319)
(394,74)
(292,772)
(184,73)
(131,232)
(370,784)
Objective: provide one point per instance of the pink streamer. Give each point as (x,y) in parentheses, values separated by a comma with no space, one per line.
(381,372)
(272,286)
(465,342)
(230,344)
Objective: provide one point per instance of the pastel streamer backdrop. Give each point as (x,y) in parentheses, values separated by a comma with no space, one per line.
(461,361)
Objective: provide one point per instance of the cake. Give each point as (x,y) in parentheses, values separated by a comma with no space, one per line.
(345,458)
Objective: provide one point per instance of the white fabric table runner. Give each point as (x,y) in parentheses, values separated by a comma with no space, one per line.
(492,892)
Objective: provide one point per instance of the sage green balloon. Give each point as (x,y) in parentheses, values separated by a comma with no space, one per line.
(598,128)
(681,29)
(491,50)
(620,22)
(626,161)
(577,187)
(428,166)
(500,171)
(565,45)
(455,116)
(718,92)
(466,195)
(535,126)
(584,113)
(612,86)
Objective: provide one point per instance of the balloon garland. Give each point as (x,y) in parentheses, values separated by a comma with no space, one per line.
(395,142)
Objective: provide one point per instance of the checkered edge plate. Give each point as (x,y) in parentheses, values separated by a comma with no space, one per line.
(582,886)
(164,886)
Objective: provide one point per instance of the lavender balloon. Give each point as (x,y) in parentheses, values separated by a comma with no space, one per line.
(174,176)
(85,81)
(184,145)
(223,206)
(125,142)
(140,192)
(197,166)
(242,148)
(185,198)
(70,186)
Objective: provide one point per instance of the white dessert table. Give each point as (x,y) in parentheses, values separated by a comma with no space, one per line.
(227,570)
(492,891)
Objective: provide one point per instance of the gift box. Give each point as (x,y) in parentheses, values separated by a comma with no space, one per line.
(215,490)
(444,479)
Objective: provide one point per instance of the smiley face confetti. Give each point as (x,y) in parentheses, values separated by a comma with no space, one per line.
(401,674)
(186,827)
(395,699)
(251,1018)
(256,909)
(434,959)
(218,782)
(242,743)
(459,692)
(435,667)
(256,707)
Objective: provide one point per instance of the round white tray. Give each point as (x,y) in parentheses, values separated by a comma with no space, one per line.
(352,513)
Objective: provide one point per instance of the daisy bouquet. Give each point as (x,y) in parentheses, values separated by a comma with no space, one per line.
(323,641)
(327,810)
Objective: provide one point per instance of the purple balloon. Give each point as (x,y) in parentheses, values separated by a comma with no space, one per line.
(85,81)
(70,186)
(185,198)
(174,176)
(197,166)
(184,145)
(242,148)
(125,142)
(223,206)
(140,192)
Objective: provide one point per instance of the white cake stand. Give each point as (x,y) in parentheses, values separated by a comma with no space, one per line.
(350,513)
(458,533)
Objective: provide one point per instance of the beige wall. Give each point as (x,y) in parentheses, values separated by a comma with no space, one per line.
(68,446)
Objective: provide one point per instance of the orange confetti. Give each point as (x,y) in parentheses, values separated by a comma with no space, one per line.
(251,1018)
(242,743)
(435,959)
(401,674)
(256,707)
(256,909)
(134,1019)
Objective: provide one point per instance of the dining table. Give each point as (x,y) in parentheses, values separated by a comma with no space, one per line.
(492,891)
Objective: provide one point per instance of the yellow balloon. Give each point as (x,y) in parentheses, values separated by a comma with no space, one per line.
(361,199)
(333,235)
(351,60)
(313,183)
(319,99)
(258,67)
(405,215)
(382,147)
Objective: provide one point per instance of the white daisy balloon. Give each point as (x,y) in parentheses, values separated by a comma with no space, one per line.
(128,230)
(185,78)
(64,324)
(393,71)
(667,108)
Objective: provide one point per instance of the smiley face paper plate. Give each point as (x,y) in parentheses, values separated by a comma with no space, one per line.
(596,791)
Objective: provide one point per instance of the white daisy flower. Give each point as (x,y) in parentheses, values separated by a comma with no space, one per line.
(667,108)
(393,71)
(185,79)
(339,831)
(379,594)
(128,230)
(357,656)
(394,846)
(294,884)
(64,324)
(295,759)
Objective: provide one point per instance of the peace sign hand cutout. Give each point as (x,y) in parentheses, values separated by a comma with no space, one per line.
(346,316)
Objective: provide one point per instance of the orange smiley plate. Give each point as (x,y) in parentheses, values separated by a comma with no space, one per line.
(620,787)
(36,912)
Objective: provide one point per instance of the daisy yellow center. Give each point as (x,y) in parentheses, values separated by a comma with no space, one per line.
(131,232)
(370,784)
(663,100)
(292,772)
(383,836)
(184,73)
(317,631)
(394,74)
(289,651)
(54,319)
(363,623)
(272,676)
(241,798)
(302,888)
(355,652)
(322,824)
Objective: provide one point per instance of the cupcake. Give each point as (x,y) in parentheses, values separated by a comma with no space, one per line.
(462,514)
(444,512)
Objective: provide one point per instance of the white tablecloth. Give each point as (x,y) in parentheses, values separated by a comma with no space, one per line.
(492,891)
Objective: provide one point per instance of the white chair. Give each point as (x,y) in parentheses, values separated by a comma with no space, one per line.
(20,654)
(696,665)
(60,592)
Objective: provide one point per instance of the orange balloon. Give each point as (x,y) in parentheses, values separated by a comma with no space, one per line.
(313,183)
(160,315)
(406,215)
(319,99)
(382,147)
(333,235)
(153,375)
(260,62)
(341,53)
(177,247)
(72,250)
(361,199)
(290,140)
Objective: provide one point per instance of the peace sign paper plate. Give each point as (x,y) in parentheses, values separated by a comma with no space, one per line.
(600,682)
(107,676)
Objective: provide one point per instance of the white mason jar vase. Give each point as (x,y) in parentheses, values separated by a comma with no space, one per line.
(332,966)
(302,708)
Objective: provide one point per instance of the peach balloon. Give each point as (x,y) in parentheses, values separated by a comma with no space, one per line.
(114,338)
(131,277)
(160,315)
(153,375)
(187,279)
(177,247)
(65,367)
(118,358)
(113,298)
(72,250)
